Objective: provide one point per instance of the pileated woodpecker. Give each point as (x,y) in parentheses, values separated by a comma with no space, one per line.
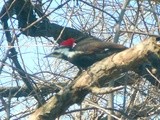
(85,52)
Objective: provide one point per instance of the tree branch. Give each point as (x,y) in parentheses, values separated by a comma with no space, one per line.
(100,73)
(35,27)
(24,91)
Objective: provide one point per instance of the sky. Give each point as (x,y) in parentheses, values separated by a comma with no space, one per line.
(31,51)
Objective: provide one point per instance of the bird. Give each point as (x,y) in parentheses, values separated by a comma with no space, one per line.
(86,52)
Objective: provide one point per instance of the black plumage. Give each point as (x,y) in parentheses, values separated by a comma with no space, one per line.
(85,52)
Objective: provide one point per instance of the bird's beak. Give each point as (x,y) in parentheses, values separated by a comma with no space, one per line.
(49,55)
(53,54)
(58,53)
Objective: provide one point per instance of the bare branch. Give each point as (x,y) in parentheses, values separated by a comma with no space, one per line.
(105,90)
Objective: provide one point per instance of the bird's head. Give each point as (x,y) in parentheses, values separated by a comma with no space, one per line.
(63,49)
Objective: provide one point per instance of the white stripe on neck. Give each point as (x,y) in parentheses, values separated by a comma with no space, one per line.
(73,53)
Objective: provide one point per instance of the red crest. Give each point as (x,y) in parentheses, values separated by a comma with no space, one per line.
(69,42)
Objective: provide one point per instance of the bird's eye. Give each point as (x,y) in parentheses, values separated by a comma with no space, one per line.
(57,47)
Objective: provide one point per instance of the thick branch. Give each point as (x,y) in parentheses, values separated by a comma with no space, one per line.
(133,59)
(100,73)
(24,91)
(35,27)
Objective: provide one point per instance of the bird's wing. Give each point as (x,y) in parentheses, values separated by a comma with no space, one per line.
(95,46)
